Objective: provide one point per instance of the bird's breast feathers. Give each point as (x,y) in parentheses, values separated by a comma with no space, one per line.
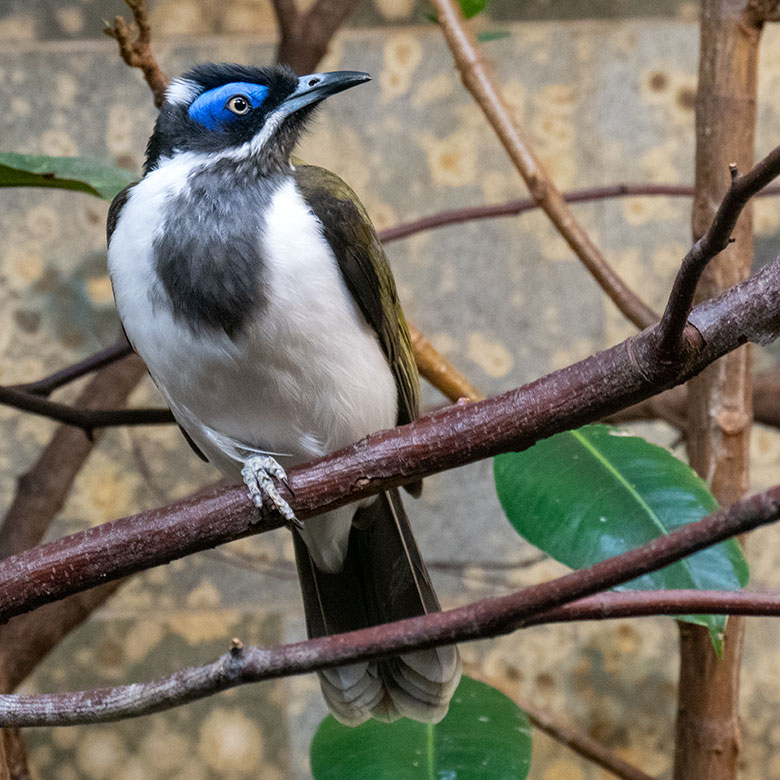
(300,374)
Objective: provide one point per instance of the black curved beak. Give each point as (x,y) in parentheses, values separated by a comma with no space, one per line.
(317,86)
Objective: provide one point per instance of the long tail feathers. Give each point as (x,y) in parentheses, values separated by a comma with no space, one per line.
(383,579)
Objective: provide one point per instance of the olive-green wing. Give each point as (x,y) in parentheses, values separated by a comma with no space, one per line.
(363,263)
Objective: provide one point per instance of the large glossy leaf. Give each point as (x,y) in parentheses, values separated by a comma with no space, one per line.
(469,8)
(68,173)
(586,495)
(485,736)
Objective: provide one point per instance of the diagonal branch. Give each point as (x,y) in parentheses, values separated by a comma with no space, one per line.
(439,371)
(460,434)
(579,742)
(714,241)
(105,357)
(41,492)
(86,419)
(483,86)
(485,618)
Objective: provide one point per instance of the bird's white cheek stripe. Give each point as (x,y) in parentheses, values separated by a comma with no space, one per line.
(182,91)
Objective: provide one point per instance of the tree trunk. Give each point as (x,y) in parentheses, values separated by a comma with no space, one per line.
(719,405)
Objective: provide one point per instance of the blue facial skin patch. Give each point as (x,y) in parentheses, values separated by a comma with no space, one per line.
(210,109)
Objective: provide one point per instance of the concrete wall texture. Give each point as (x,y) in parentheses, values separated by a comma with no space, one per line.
(607,101)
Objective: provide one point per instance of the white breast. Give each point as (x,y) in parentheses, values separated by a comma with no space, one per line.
(306,377)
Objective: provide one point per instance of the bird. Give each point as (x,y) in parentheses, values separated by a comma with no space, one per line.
(257,293)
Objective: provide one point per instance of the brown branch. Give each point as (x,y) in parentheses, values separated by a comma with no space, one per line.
(27,639)
(460,434)
(87,419)
(707,733)
(513,208)
(5,771)
(577,741)
(671,406)
(632,604)
(135,47)
(41,492)
(304,38)
(39,496)
(48,384)
(439,371)
(15,750)
(712,243)
(484,88)
(486,618)
(759,11)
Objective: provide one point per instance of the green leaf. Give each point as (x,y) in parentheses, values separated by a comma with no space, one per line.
(67,173)
(469,8)
(485,736)
(586,495)
(492,35)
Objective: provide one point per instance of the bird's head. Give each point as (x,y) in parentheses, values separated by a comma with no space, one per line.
(242,112)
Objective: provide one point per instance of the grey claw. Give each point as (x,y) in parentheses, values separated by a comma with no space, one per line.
(257,473)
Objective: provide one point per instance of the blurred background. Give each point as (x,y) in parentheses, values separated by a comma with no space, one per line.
(606,90)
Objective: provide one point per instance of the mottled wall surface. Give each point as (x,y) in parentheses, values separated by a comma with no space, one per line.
(603,102)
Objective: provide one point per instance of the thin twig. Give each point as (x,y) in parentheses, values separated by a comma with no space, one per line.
(87,419)
(714,241)
(459,434)
(482,619)
(48,384)
(513,208)
(484,88)
(136,50)
(579,742)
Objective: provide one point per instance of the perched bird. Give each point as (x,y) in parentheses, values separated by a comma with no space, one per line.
(258,295)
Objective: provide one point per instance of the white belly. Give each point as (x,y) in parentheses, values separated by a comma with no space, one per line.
(306,377)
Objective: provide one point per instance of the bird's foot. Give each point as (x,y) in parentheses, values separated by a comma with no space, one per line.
(258,474)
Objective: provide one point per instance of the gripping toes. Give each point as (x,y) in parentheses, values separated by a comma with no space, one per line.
(258,474)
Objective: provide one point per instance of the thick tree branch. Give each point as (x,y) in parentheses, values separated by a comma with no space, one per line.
(27,639)
(485,618)
(304,38)
(484,88)
(460,434)
(136,50)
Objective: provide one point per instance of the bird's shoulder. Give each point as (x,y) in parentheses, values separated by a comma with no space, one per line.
(363,263)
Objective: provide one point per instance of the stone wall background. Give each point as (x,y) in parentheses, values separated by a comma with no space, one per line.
(605,101)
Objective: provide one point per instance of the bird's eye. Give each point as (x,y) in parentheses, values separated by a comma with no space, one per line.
(238,104)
